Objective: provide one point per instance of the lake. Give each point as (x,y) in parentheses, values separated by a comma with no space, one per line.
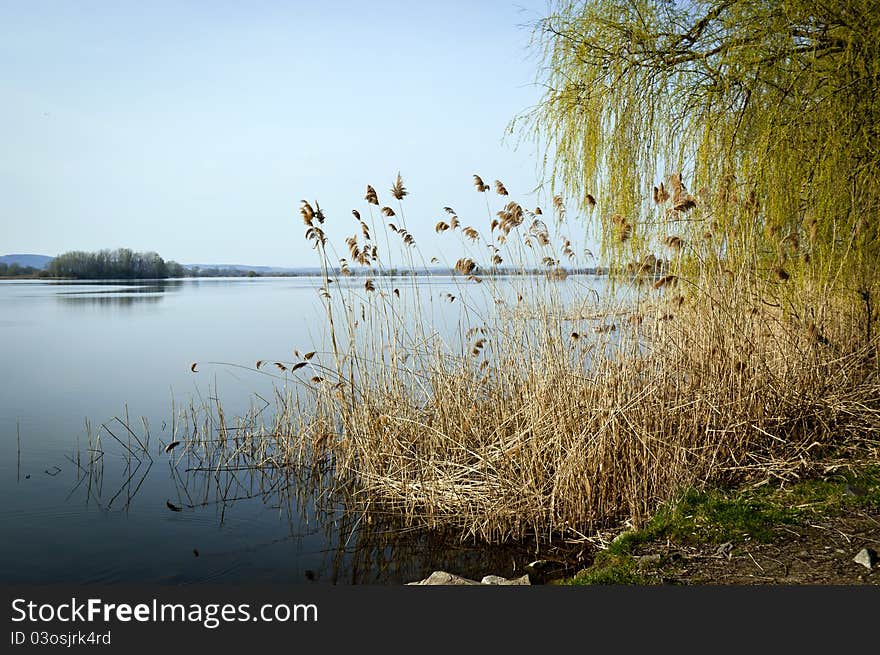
(77,356)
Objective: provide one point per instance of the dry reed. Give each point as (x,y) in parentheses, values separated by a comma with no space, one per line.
(552,422)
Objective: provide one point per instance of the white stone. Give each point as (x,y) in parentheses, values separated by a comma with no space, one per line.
(444,578)
(498,580)
(866,557)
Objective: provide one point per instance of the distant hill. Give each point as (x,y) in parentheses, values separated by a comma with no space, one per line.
(36,261)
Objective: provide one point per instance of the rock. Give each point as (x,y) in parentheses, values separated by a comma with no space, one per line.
(493,579)
(867,557)
(649,560)
(444,578)
(498,580)
(725,550)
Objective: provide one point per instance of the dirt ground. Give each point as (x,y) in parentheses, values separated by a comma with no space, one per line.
(819,553)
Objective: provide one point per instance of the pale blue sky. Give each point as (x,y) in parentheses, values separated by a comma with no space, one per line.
(195,128)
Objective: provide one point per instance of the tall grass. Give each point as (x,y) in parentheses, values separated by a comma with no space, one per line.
(520,406)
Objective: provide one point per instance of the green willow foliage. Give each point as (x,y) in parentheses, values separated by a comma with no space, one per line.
(771,109)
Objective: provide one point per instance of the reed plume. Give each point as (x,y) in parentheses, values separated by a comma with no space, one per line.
(621,228)
(661,195)
(307,213)
(673,242)
(465,266)
(371,196)
(666,280)
(398,190)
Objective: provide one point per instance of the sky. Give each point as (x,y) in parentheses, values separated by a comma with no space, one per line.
(195,129)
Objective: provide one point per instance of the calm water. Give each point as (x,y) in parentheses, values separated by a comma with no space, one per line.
(77,352)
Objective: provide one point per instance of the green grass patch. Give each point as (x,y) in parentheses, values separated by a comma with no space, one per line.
(858,489)
(611,569)
(717,516)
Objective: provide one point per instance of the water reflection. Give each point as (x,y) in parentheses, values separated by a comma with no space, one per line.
(111,300)
(355,547)
(374,548)
(133,452)
(117,293)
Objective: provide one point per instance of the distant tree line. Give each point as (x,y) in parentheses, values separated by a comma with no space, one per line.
(125,264)
(222,271)
(17,270)
(121,263)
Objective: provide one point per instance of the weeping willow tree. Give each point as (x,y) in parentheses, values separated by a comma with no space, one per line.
(761,120)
